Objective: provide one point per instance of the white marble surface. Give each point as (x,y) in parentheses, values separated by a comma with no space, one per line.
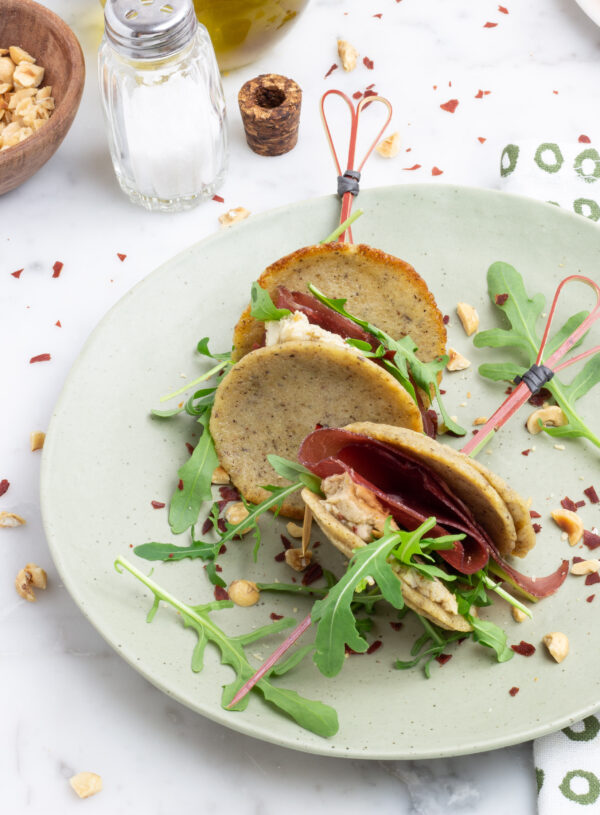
(67,701)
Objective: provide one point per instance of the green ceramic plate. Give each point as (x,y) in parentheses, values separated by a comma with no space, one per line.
(105,459)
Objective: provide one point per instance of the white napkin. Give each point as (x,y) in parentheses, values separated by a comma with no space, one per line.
(567,763)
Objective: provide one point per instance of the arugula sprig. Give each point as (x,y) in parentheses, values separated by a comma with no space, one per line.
(522,313)
(313,715)
(406,367)
(430,645)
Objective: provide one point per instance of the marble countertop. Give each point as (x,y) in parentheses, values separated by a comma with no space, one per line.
(68,702)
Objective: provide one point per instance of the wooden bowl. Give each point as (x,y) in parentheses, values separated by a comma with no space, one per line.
(50,40)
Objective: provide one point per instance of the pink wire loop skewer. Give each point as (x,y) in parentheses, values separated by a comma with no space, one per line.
(523,392)
(348,179)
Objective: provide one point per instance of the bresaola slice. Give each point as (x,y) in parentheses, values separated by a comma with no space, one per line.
(413,492)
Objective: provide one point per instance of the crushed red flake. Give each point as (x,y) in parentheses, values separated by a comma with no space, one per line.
(450,105)
(314,572)
(509,390)
(223,549)
(375,646)
(414,167)
(503,9)
(590,599)
(220,593)
(221,525)
(538,399)
(368,93)
(446,319)
(378,15)
(229,494)
(481,139)
(316,544)
(443,658)
(490,25)
(534,514)
(219,199)
(17,274)
(555,93)
(4,485)
(207,526)
(592,495)
(218,568)
(172,555)
(526,649)
(158,504)
(372,85)
(591,540)
(514,690)
(40,358)
(500,299)
(368,63)
(287,544)
(395,625)
(190,447)
(274,616)
(592,579)
(121,256)
(577,559)
(584,139)
(479,94)
(526,452)
(57,268)
(579,504)
(280,557)
(357,95)
(180,484)
(58,323)
(566,503)
(330,71)
(537,528)
(221,505)
(436,171)
(442,391)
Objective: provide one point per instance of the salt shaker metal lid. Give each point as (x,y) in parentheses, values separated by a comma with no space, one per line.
(149,29)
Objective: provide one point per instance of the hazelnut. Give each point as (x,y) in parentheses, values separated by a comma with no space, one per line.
(233,215)
(480,420)
(86,784)
(585,567)
(468,317)
(294,530)
(27,75)
(557,644)
(518,615)
(27,579)
(298,559)
(37,439)
(569,522)
(390,147)
(244,593)
(456,361)
(10,519)
(19,55)
(236,513)
(348,55)
(220,476)
(551,416)
(7,69)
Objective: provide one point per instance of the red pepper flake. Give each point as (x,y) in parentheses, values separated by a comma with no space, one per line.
(514,690)
(4,485)
(436,171)
(577,559)
(180,485)
(592,495)
(368,63)
(442,391)
(368,93)
(555,93)
(121,256)
(591,540)
(446,319)
(314,572)
(534,514)
(490,25)
(378,15)
(58,323)
(503,9)
(190,447)
(274,616)
(584,139)
(579,504)
(287,544)
(357,95)
(218,199)
(443,658)
(590,599)
(316,544)
(207,526)
(538,399)
(509,390)
(479,94)
(414,167)
(158,504)
(372,85)
(221,525)
(280,557)
(220,593)
(229,494)
(450,105)
(172,555)
(435,87)
(223,549)
(218,568)
(57,268)
(396,626)
(526,649)
(526,452)
(500,299)
(566,503)
(537,528)
(40,358)
(592,578)
(330,71)
(17,274)
(375,646)
(481,139)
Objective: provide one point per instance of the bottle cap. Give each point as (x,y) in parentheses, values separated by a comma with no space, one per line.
(149,29)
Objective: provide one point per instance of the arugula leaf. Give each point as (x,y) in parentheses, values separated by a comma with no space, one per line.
(406,364)
(262,307)
(492,636)
(522,314)
(169,552)
(439,639)
(166,414)
(203,349)
(196,476)
(312,715)
(294,471)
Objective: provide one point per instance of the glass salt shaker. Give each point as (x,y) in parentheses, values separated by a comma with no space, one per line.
(163,103)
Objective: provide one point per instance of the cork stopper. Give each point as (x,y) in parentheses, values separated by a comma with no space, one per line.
(270,108)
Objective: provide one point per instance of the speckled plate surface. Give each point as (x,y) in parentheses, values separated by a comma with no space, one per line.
(96,494)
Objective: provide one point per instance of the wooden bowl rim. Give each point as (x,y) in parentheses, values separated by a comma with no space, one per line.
(70,101)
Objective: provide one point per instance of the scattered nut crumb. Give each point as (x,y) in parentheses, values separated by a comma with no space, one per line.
(463,404)
(243,593)
(236,513)
(348,55)
(220,476)
(27,579)
(468,317)
(294,530)
(37,439)
(456,361)
(233,215)
(24,106)
(86,784)
(585,567)
(10,519)
(480,420)
(570,523)
(518,615)
(551,416)
(390,147)
(557,644)
(559,446)
(297,560)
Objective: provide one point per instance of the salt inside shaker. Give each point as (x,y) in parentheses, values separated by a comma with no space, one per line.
(163,103)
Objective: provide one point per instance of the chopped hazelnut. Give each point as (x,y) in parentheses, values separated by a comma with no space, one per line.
(468,317)
(243,593)
(86,784)
(480,420)
(390,147)
(298,559)
(518,615)
(294,530)
(27,75)
(7,69)
(557,644)
(551,416)
(220,476)
(585,567)
(456,361)
(570,523)
(233,215)
(10,519)
(37,439)
(236,513)
(348,55)
(19,55)
(27,579)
